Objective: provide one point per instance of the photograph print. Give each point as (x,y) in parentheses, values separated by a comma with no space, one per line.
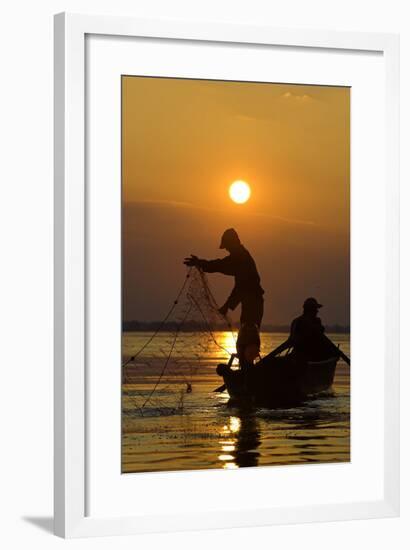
(235,274)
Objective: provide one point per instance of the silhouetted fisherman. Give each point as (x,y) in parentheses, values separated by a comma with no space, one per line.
(239,264)
(307,334)
(247,292)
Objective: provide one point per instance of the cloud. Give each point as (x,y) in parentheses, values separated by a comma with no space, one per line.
(154,203)
(302,98)
(280,218)
(190,206)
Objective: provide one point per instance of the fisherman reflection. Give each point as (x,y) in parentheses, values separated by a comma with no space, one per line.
(243,445)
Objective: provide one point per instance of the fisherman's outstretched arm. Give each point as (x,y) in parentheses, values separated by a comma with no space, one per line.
(223,265)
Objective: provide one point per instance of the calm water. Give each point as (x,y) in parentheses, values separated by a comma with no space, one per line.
(168,427)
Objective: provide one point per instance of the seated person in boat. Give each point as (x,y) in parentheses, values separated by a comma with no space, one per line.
(306,335)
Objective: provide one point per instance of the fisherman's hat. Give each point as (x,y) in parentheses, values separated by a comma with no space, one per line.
(230,236)
(311,303)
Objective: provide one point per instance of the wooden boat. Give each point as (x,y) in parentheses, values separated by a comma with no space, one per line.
(279,381)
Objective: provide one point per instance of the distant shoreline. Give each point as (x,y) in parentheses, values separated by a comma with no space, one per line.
(154,326)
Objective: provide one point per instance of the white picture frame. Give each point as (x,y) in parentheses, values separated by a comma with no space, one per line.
(71,435)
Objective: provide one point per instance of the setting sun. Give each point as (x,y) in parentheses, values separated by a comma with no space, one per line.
(239,191)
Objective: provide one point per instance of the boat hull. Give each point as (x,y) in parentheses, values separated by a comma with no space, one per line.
(280,382)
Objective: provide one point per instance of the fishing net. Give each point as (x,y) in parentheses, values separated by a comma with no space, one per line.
(159,369)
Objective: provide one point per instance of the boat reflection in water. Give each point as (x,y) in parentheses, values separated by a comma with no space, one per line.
(241,439)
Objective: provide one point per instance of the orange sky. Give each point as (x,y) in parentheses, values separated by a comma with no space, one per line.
(185,141)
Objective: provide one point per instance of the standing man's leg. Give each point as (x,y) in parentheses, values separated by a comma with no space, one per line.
(259,311)
(252,311)
(251,316)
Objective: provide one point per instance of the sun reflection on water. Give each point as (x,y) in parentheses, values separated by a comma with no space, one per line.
(227,341)
(234,424)
(230,466)
(239,441)
(225,458)
(229,445)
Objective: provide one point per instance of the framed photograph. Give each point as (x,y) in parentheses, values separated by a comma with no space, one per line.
(226,275)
